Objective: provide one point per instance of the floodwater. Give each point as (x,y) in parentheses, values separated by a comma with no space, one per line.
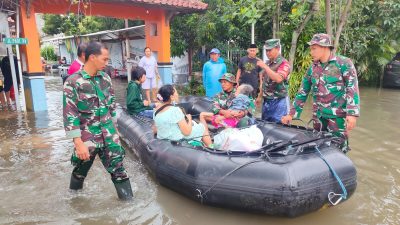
(35,170)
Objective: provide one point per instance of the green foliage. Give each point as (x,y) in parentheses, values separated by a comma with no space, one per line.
(225,20)
(48,53)
(195,87)
(197,64)
(77,24)
(294,83)
(183,35)
(370,37)
(52,24)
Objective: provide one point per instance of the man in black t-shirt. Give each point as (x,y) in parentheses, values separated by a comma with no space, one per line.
(248,71)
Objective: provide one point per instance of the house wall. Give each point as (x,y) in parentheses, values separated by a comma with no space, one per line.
(115,51)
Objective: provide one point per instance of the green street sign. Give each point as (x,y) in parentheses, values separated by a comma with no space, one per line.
(16,41)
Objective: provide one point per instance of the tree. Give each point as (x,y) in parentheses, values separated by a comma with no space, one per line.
(184,37)
(52,24)
(48,53)
(314,7)
(328,18)
(343,20)
(372,37)
(367,30)
(275,27)
(78,24)
(224,21)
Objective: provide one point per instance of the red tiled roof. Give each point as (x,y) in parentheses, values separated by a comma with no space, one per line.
(186,4)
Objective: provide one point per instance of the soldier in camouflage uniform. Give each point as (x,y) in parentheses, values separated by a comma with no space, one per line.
(275,83)
(223,100)
(332,80)
(90,118)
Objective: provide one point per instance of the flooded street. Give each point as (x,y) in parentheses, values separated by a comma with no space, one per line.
(35,170)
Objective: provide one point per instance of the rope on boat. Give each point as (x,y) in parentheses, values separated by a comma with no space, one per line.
(201,195)
(332,194)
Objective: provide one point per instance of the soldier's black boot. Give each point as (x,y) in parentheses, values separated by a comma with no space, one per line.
(76,183)
(124,190)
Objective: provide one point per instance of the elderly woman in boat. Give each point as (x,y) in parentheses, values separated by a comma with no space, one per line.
(223,101)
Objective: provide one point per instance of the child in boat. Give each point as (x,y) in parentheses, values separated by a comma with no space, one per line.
(240,103)
(134,99)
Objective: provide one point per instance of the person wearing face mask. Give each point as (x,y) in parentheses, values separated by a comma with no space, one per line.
(172,124)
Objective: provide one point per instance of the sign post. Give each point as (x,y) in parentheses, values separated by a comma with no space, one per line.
(19,63)
(9,42)
(16,41)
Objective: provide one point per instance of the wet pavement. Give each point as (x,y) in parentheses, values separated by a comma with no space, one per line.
(35,170)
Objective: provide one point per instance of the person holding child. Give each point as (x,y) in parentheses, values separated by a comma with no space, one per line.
(134,98)
(241,103)
(223,100)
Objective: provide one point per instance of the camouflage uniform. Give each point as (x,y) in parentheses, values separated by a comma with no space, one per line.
(89,113)
(276,101)
(223,100)
(334,87)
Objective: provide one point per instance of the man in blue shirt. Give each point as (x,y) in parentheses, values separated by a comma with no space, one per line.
(212,72)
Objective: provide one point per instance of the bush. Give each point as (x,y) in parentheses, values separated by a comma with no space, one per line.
(194,87)
(294,83)
(48,53)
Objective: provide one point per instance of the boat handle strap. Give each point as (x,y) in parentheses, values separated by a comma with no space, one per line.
(332,195)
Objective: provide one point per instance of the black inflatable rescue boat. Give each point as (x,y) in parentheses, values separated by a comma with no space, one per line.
(391,76)
(296,171)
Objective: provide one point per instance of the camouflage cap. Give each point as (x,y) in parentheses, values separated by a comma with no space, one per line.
(228,77)
(321,39)
(272,43)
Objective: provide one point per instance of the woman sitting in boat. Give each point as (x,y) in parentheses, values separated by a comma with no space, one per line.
(134,99)
(240,104)
(171,123)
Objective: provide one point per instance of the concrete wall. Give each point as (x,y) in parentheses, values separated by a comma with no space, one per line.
(115,51)
(180,64)
(65,53)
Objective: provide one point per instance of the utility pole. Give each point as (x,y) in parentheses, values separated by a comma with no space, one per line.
(128,64)
(19,63)
(12,66)
(252,32)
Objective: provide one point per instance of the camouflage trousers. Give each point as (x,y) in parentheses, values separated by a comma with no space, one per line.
(335,126)
(111,157)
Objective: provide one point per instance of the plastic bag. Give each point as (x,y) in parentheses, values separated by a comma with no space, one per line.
(233,139)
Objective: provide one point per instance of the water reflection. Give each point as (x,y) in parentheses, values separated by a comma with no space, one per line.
(35,171)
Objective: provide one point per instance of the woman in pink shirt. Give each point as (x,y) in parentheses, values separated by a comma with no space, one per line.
(78,63)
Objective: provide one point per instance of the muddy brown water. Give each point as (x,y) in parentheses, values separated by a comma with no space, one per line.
(35,170)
